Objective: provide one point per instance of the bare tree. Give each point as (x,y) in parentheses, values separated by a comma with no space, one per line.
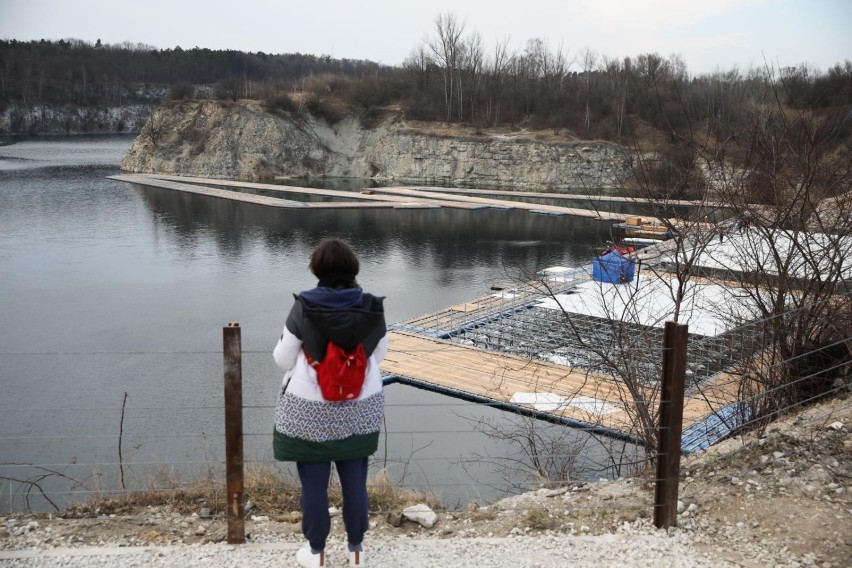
(788,180)
(474,55)
(447,47)
(496,70)
(588,59)
(152,129)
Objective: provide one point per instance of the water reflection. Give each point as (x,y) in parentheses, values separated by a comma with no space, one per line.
(449,238)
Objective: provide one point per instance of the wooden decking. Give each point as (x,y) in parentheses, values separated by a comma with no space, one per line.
(451,198)
(585,197)
(422,353)
(385,197)
(578,397)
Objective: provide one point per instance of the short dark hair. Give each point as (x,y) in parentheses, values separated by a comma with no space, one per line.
(335,263)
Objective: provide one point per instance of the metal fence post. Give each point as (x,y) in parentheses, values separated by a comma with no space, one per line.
(671,425)
(232,350)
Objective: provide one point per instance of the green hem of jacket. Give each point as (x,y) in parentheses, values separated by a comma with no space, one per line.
(357,446)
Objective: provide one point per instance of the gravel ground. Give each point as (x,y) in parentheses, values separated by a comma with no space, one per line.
(541,551)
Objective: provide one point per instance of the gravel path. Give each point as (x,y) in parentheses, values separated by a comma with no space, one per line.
(544,551)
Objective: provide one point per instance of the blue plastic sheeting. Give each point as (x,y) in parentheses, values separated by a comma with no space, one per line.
(613,268)
(712,428)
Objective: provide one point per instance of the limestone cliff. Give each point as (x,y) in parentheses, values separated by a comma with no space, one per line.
(245,141)
(73,119)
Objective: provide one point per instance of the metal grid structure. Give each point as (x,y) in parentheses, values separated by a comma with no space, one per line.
(511,321)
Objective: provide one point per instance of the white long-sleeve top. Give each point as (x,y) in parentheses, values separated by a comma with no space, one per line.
(290,356)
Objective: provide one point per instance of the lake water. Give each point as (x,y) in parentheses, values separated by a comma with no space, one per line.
(109,289)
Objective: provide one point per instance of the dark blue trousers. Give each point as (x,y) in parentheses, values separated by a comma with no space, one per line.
(316,523)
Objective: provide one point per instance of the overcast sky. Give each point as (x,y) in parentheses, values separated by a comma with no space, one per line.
(708,34)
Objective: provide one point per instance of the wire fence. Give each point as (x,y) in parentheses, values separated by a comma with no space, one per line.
(448,450)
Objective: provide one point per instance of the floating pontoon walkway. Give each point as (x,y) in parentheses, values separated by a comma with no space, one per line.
(193,185)
(423,354)
(385,197)
(535,388)
(588,198)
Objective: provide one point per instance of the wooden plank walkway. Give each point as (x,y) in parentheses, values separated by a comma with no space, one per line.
(422,354)
(207,191)
(355,200)
(379,197)
(447,197)
(588,399)
(171,183)
(590,198)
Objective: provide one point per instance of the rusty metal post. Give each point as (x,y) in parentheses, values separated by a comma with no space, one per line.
(232,350)
(671,425)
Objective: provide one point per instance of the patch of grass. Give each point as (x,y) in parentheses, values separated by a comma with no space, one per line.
(540,519)
(483,515)
(270,490)
(386,496)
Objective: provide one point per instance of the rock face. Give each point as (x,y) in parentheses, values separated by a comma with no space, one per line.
(73,119)
(244,141)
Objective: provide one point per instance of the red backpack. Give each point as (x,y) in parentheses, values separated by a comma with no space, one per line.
(341,373)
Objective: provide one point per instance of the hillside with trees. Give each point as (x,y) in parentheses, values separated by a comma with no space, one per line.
(451,77)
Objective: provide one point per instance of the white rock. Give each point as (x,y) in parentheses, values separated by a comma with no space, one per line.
(836,425)
(681,507)
(422,514)
(332,511)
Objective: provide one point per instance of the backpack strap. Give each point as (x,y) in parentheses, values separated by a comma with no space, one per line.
(311,361)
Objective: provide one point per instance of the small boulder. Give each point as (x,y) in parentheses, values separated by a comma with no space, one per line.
(421,514)
(395,518)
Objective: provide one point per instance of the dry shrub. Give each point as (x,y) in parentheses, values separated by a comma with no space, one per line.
(385,495)
(279,102)
(540,520)
(270,490)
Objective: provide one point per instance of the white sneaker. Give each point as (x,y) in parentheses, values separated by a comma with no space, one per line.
(357,558)
(308,559)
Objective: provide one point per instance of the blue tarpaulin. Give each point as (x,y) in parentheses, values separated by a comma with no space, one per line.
(613,268)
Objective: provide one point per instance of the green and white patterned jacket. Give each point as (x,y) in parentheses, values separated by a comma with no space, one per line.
(307,427)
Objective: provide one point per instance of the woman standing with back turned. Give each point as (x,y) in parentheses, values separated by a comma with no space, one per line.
(313,431)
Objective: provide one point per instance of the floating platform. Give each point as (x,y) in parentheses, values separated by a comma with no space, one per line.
(380,197)
(636,227)
(489,350)
(457,197)
(202,186)
(544,390)
(588,198)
